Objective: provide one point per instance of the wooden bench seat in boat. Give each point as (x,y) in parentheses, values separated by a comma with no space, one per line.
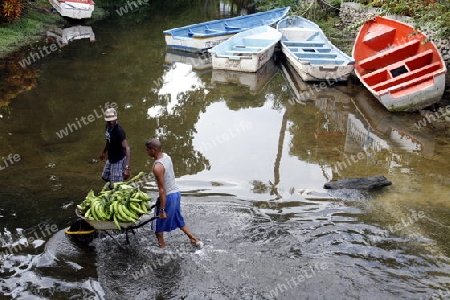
(408,77)
(237,47)
(304,44)
(315,55)
(207,32)
(230,27)
(237,52)
(391,56)
(309,50)
(379,36)
(400,70)
(320,61)
(297,33)
(404,86)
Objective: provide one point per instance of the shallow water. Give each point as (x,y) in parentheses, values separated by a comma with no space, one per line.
(251,152)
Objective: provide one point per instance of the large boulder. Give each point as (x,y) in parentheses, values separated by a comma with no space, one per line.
(360,183)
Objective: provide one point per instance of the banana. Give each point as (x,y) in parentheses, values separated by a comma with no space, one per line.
(97,210)
(87,214)
(121,215)
(127,214)
(115,210)
(137,208)
(131,212)
(101,210)
(116,221)
(93,212)
(143,196)
(135,199)
(144,206)
(125,202)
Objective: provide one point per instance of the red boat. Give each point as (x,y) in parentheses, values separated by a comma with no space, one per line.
(399,65)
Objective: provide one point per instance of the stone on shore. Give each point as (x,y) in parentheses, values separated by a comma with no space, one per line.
(359,183)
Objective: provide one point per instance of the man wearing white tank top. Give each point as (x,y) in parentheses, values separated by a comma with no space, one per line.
(168,208)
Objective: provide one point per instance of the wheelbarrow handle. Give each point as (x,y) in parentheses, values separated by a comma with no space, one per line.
(143,223)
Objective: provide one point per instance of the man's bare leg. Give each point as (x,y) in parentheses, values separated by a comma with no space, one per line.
(191,237)
(160,237)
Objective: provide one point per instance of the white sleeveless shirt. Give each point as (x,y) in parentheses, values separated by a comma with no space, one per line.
(169,175)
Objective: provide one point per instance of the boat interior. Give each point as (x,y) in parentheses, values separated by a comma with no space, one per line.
(406,61)
(308,45)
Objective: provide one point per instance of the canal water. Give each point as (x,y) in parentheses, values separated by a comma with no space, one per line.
(251,153)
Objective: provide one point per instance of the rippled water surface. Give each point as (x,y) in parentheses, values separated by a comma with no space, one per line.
(251,152)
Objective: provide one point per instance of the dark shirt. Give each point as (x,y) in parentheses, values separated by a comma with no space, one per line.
(114,145)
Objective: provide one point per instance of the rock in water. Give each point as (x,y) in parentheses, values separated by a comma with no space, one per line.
(360,183)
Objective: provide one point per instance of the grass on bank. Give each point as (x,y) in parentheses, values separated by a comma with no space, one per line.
(30,25)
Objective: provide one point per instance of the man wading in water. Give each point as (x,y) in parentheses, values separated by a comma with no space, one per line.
(168,205)
(117,167)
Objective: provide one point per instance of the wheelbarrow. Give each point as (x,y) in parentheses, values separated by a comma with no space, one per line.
(84,230)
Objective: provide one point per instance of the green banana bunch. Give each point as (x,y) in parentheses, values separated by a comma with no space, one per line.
(124,203)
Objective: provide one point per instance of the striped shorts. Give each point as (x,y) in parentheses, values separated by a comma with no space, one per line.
(114,172)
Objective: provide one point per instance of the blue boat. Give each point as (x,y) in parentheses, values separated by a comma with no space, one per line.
(310,52)
(203,36)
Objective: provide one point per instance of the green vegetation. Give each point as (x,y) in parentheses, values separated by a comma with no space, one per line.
(433,14)
(18,32)
(27,28)
(21,21)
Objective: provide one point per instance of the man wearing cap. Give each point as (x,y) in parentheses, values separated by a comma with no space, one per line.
(117,167)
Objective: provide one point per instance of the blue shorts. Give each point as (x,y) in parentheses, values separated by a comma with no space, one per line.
(114,172)
(174,218)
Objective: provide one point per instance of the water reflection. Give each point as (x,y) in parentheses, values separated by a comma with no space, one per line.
(198,61)
(270,142)
(254,81)
(351,123)
(63,36)
(178,80)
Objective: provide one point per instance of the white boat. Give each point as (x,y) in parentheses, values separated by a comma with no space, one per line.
(254,81)
(313,56)
(246,51)
(202,36)
(75,9)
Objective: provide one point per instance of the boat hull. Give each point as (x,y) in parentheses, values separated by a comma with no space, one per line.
(309,72)
(311,54)
(402,69)
(74,9)
(203,36)
(246,51)
(194,44)
(250,63)
(427,93)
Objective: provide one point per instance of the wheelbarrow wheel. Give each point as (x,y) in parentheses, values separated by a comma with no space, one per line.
(83,238)
(81,231)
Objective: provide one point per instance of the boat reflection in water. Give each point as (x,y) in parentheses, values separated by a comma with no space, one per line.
(358,128)
(198,61)
(63,36)
(254,81)
(398,130)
